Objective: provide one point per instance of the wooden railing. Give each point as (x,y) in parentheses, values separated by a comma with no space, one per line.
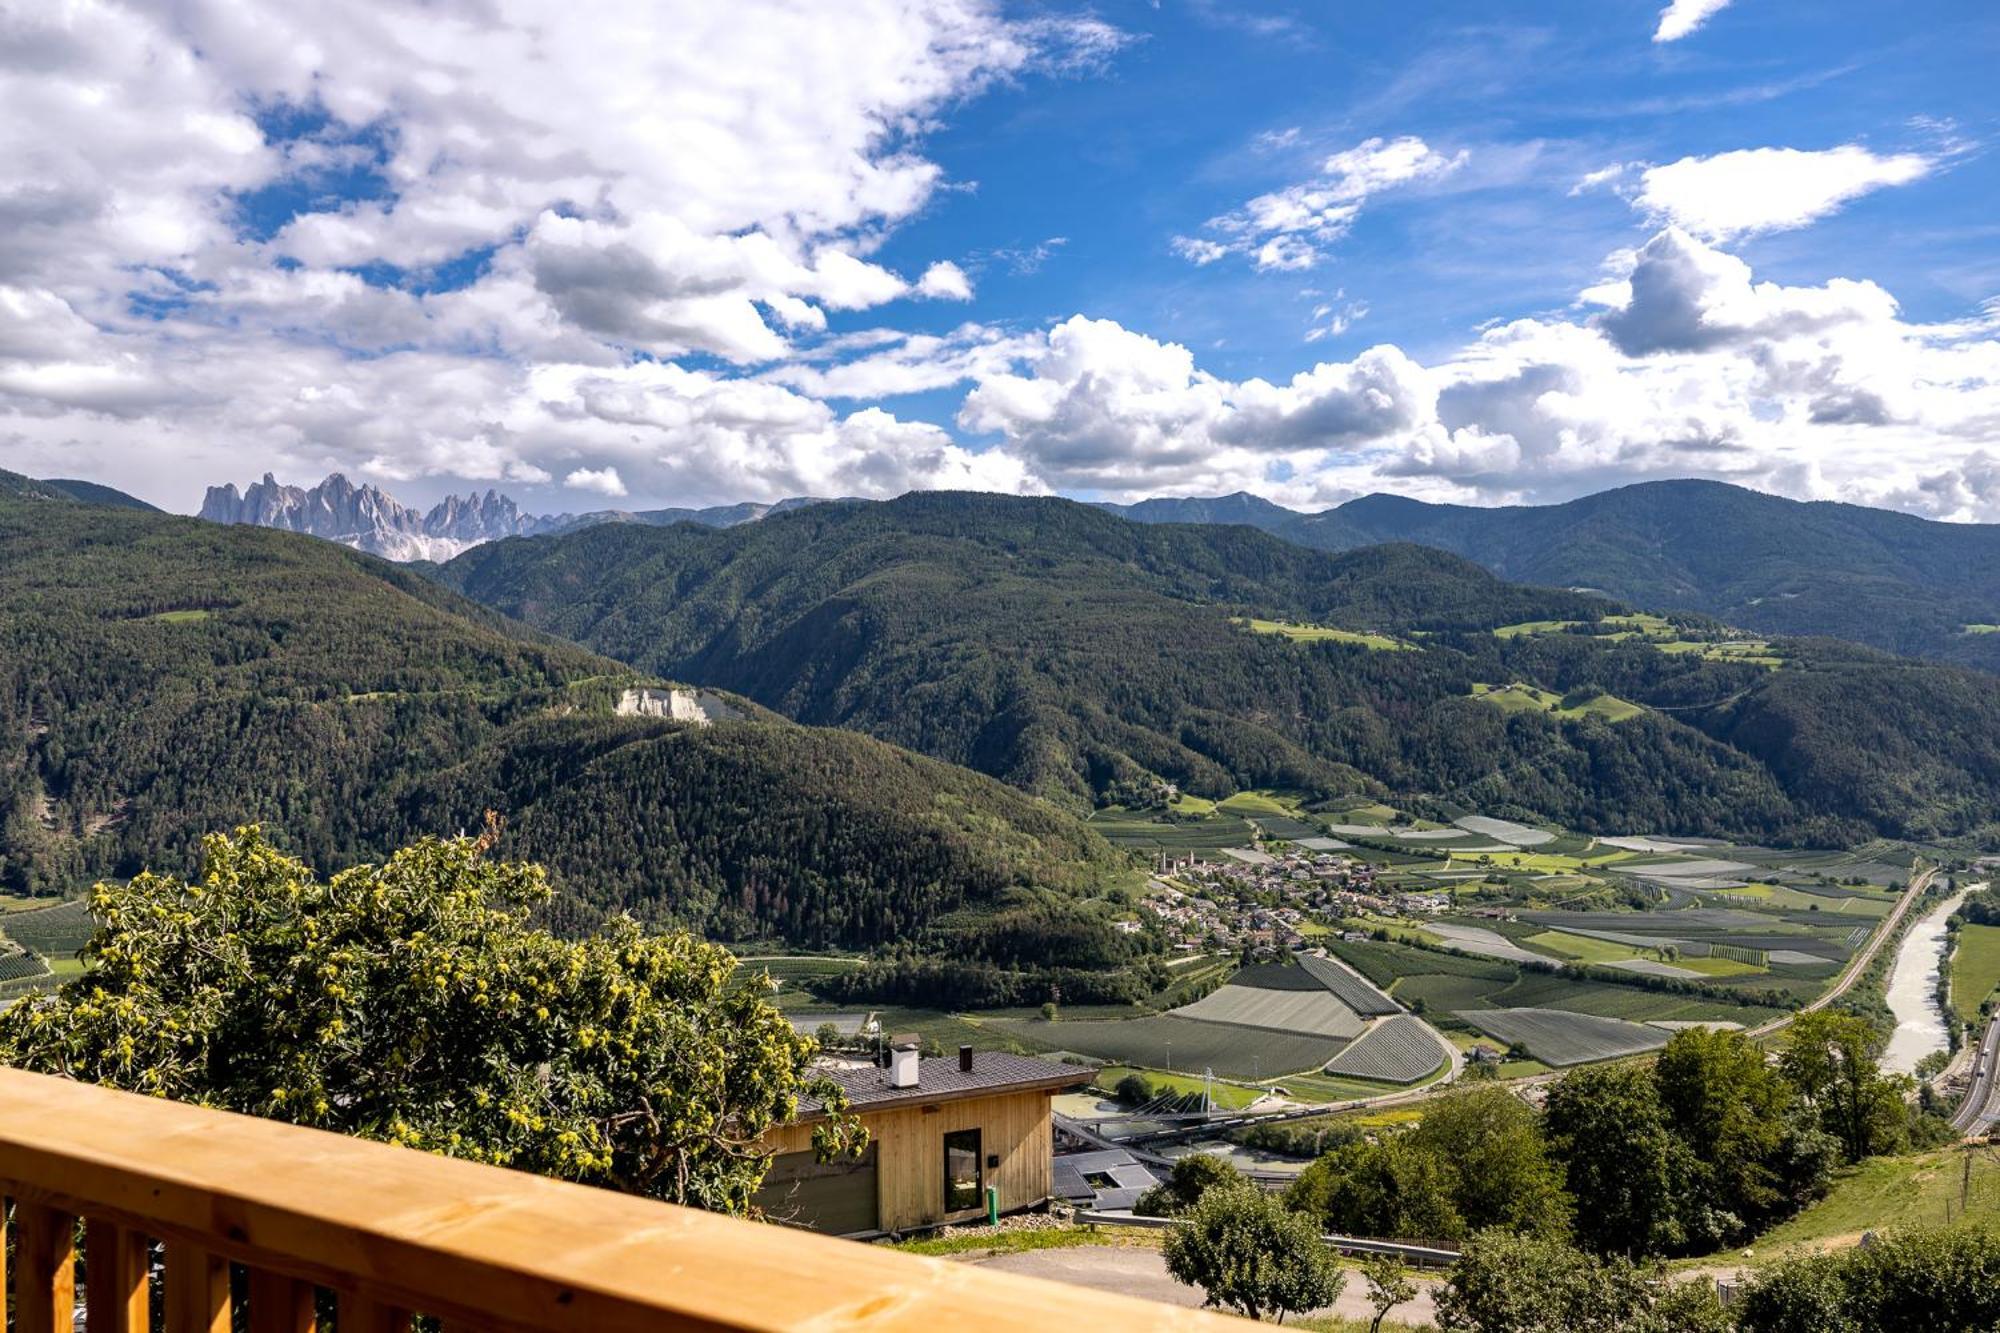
(285,1229)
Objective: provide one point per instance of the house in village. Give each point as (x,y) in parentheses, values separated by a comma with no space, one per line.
(941,1133)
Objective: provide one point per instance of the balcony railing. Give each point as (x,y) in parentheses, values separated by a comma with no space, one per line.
(388,1231)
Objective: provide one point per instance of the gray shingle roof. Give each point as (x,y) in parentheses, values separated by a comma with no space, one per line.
(940,1079)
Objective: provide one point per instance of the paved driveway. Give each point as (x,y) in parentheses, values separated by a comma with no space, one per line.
(1141,1272)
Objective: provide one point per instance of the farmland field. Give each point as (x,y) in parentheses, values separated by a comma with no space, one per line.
(1314,1012)
(1137,829)
(1397,1050)
(1975,968)
(1558,1038)
(1227,1096)
(1164,1041)
(53,932)
(1326,634)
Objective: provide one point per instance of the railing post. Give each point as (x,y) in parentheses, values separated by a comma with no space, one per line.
(358,1314)
(45,1269)
(119,1286)
(280,1304)
(197,1290)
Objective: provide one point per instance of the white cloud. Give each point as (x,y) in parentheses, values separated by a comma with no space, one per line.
(1768,189)
(945,281)
(603,480)
(1290,229)
(1694,369)
(1682,17)
(1102,407)
(628,181)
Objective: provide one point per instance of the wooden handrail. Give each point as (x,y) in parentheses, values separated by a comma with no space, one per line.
(389,1230)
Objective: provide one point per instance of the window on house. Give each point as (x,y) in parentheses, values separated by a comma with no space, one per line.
(961,1170)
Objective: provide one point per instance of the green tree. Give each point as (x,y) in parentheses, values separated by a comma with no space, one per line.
(414,1002)
(1192,1177)
(1830,1058)
(1504,1283)
(1248,1253)
(1728,1108)
(1910,1282)
(1391,1188)
(1505,1176)
(1607,1128)
(1389,1286)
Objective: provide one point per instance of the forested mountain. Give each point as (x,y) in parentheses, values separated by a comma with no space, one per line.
(161,678)
(1075,654)
(1766,563)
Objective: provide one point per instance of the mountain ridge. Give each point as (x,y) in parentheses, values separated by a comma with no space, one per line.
(367,518)
(162,678)
(1086,658)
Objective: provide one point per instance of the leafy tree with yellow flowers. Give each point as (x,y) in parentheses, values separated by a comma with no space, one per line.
(416,1002)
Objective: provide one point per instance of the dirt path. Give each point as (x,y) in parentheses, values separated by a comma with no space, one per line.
(1141,1272)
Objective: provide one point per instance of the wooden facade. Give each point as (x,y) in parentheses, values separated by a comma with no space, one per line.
(1014,1126)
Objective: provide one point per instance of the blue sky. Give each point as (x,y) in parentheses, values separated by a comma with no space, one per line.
(673,254)
(1168,136)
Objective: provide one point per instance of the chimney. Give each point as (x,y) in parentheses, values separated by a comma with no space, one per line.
(903,1062)
(965,1059)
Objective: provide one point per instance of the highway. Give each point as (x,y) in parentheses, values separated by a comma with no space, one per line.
(1981,1106)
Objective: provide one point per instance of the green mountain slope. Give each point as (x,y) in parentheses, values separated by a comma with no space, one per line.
(91,493)
(1072,652)
(1774,565)
(161,678)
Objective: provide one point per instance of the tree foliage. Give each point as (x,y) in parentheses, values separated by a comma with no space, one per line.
(414,1002)
(1248,1253)
(1902,1283)
(1504,1283)
(1830,1058)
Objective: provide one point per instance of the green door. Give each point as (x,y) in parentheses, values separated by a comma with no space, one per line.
(837,1198)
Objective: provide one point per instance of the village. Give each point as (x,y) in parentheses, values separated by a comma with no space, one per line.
(1270,902)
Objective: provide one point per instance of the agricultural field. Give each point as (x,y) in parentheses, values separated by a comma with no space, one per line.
(60,931)
(1975,968)
(1227,1096)
(1397,1050)
(1326,634)
(1140,830)
(1166,1041)
(792,972)
(1560,1038)
(1268,1021)
(1519,698)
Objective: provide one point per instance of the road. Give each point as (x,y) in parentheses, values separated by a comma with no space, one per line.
(1140,1271)
(1981,1106)
(1919,882)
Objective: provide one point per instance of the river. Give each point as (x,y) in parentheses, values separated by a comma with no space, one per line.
(1913,991)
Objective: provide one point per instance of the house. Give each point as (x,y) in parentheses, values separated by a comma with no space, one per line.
(941,1133)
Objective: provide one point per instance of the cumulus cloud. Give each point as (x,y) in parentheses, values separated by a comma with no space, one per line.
(1682,17)
(945,281)
(1102,407)
(1291,228)
(1693,368)
(1768,189)
(514,193)
(603,480)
